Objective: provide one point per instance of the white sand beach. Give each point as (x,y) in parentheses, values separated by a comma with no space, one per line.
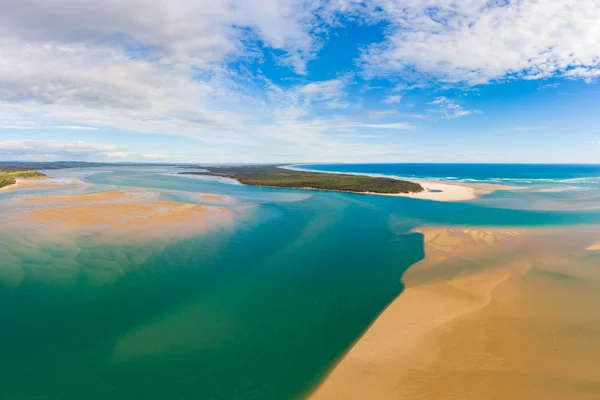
(439,191)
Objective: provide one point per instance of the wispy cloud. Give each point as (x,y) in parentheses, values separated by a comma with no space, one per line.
(449,108)
(51,150)
(204,69)
(75,127)
(393,99)
(549,86)
(477,42)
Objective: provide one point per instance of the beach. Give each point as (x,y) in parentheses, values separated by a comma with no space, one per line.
(41,183)
(459,331)
(594,247)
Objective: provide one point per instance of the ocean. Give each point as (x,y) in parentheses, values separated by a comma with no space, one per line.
(261,309)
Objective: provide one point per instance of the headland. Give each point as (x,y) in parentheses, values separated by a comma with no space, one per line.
(273,176)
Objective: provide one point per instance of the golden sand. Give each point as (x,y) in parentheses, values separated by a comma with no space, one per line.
(595,246)
(115,196)
(217,198)
(112,217)
(122,218)
(41,183)
(524,326)
(118,214)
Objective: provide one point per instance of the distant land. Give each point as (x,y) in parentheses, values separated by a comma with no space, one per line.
(9,177)
(274,176)
(37,165)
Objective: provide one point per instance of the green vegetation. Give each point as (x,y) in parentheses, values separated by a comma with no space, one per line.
(272,176)
(9,177)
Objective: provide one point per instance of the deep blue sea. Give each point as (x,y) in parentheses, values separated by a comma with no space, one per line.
(487,173)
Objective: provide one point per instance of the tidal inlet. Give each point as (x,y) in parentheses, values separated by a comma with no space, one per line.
(140,282)
(300,200)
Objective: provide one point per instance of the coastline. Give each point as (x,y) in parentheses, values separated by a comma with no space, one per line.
(41,183)
(434,189)
(462,328)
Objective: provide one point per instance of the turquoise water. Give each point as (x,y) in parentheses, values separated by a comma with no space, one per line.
(259,310)
(540,186)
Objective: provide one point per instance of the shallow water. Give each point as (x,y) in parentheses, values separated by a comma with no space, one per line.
(258,310)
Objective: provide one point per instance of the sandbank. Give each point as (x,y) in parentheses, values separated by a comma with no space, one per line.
(522,326)
(133,215)
(594,247)
(41,183)
(444,191)
(216,198)
(122,215)
(441,192)
(113,196)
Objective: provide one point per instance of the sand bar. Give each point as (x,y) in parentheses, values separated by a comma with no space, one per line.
(216,198)
(444,191)
(122,215)
(522,326)
(133,215)
(594,247)
(101,197)
(41,183)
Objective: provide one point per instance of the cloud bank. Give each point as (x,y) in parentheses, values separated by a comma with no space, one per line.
(193,68)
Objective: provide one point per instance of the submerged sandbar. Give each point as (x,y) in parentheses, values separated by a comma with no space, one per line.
(136,214)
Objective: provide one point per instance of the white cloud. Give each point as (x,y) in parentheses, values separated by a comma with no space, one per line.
(394,125)
(393,99)
(159,67)
(449,108)
(75,127)
(160,156)
(479,41)
(549,86)
(56,150)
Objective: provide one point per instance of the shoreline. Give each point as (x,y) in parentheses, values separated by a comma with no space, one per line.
(41,183)
(490,285)
(449,192)
(436,190)
(594,247)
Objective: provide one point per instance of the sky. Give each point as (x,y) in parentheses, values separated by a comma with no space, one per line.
(290,81)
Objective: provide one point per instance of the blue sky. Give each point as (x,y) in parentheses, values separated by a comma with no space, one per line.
(300,81)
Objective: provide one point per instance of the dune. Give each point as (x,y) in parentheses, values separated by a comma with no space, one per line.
(520,324)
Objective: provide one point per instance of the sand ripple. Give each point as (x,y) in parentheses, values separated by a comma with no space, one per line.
(522,324)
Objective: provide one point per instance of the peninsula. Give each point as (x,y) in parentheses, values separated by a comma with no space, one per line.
(9,177)
(273,176)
